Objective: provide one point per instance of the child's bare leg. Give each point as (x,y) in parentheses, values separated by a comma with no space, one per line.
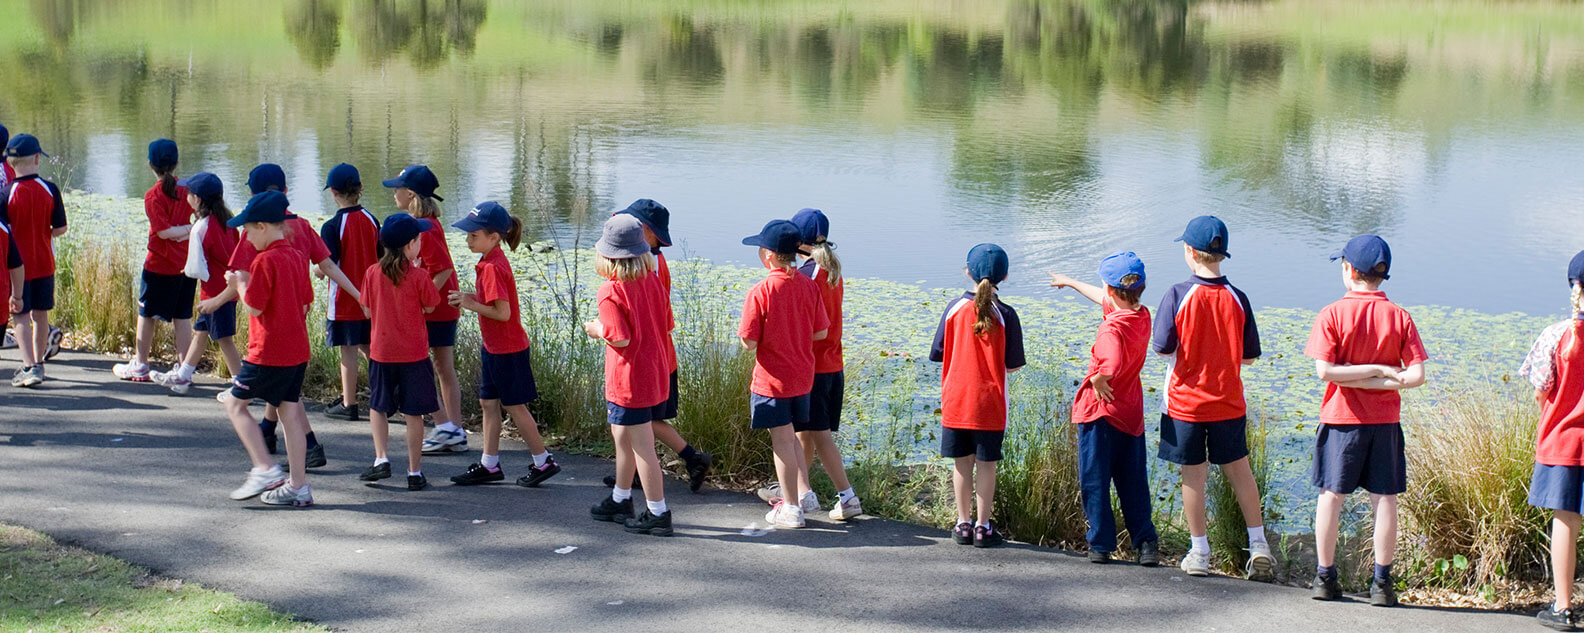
(830,457)
(1328,519)
(41,334)
(248,431)
(182,332)
(526,425)
(984,490)
(626,462)
(349,374)
(379,429)
(24,339)
(668,435)
(807,452)
(963,487)
(1385,528)
(492,426)
(145,339)
(1193,493)
(788,455)
(639,440)
(295,419)
(450,389)
(1564,553)
(1241,476)
(196,348)
(415,433)
(228,350)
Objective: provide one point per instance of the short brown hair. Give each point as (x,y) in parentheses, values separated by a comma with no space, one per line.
(1130,296)
(1378,273)
(1207,257)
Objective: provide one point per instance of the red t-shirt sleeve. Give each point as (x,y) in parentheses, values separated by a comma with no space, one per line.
(436,257)
(242,257)
(428,296)
(1413,349)
(1108,351)
(491,287)
(613,317)
(369,286)
(155,208)
(1322,343)
(752,316)
(261,284)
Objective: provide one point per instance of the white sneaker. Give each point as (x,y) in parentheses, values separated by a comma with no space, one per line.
(30,377)
(55,338)
(770,493)
(785,515)
(19,379)
(132,371)
(810,502)
(1196,563)
(442,441)
(289,496)
(1261,565)
(171,379)
(846,510)
(259,482)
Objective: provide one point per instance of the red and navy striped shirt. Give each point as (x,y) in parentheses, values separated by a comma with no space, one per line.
(1207,326)
(974,373)
(352,237)
(34,209)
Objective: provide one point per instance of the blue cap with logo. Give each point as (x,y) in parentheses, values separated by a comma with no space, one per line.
(398,230)
(812,225)
(780,236)
(1120,264)
(343,177)
(1206,234)
(202,184)
(1576,269)
(1364,253)
(490,216)
(419,179)
(268,207)
(654,216)
(988,261)
(265,177)
(162,153)
(23,146)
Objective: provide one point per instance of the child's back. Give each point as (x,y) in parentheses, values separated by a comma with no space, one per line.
(397,312)
(1119,351)
(1363,328)
(278,288)
(782,312)
(1207,326)
(827,351)
(1555,366)
(974,370)
(637,375)
(352,240)
(34,208)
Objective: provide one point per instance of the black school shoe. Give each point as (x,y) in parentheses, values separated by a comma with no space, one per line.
(1328,588)
(417,482)
(316,457)
(698,468)
(478,474)
(340,411)
(963,533)
(650,524)
(1558,620)
(537,475)
(1382,594)
(1149,554)
(271,442)
(1098,557)
(610,482)
(609,510)
(987,536)
(376,473)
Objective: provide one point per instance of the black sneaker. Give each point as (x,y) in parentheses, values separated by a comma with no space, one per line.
(478,474)
(986,536)
(648,523)
(609,510)
(376,473)
(698,468)
(340,411)
(417,482)
(1149,554)
(610,482)
(316,457)
(271,442)
(1382,594)
(1328,588)
(537,475)
(963,533)
(1098,557)
(1558,620)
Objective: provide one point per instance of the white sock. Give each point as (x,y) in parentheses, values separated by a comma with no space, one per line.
(1200,544)
(414,473)
(620,494)
(657,508)
(449,426)
(846,495)
(380,460)
(260,471)
(540,459)
(1558,607)
(1256,534)
(983,524)
(962,520)
(809,494)
(490,461)
(186,371)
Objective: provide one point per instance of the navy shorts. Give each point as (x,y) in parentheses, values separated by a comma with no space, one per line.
(220,324)
(668,409)
(619,415)
(166,297)
(270,384)
(1352,456)
(984,446)
(1190,443)
(343,333)
(405,387)
(441,333)
(38,294)
(1557,487)
(767,413)
(508,378)
(825,403)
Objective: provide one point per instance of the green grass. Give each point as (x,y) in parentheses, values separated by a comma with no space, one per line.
(49,587)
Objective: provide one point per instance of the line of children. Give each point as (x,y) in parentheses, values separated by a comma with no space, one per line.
(164,293)
(36,213)
(209,247)
(353,240)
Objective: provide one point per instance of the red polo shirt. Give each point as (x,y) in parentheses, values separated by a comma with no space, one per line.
(299,232)
(1556,368)
(828,352)
(34,209)
(1120,348)
(1207,326)
(663,272)
(165,257)
(493,281)
(12,258)
(975,366)
(782,313)
(352,240)
(278,288)
(219,244)
(638,312)
(1363,328)
(398,314)
(435,257)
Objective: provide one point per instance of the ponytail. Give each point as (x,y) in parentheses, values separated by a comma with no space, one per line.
(167,179)
(1577,296)
(427,207)
(513,235)
(824,255)
(983,293)
(394,264)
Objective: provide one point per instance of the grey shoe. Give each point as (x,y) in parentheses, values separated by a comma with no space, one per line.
(258,483)
(316,457)
(289,496)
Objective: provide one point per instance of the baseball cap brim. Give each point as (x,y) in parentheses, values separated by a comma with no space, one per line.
(469,224)
(753,240)
(663,235)
(1336,254)
(394,183)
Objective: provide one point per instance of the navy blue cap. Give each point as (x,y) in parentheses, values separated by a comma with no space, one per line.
(265,176)
(988,261)
(419,179)
(343,177)
(1364,253)
(654,216)
(812,224)
(162,153)
(1121,264)
(1202,233)
(23,146)
(399,229)
(202,184)
(267,207)
(1576,269)
(490,216)
(780,236)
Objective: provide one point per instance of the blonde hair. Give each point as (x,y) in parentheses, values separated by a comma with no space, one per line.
(824,255)
(1206,258)
(1576,295)
(783,260)
(984,292)
(625,268)
(427,207)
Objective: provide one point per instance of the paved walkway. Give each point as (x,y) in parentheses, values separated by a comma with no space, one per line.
(135,472)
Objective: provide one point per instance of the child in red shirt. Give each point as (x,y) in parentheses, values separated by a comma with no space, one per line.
(979,341)
(209,246)
(352,238)
(634,320)
(1109,411)
(396,295)
(164,294)
(277,297)
(506,380)
(11,282)
(37,215)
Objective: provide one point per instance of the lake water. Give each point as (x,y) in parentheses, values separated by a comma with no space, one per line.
(1062,130)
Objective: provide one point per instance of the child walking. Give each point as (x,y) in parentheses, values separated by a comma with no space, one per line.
(37,215)
(209,245)
(164,293)
(1366,348)
(352,237)
(1206,327)
(396,295)
(979,341)
(277,296)
(634,319)
(1109,411)
(1555,366)
(11,281)
(507,380)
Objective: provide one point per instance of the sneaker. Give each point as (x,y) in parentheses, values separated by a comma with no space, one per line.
(289,496)
(1382,594)
(258,482)
(809,503)
(441,441)
(478,474)
(315,457)
(963,533)
(987,536)
(1149,554)
(20,378)
(650,524)
(417,482)
(340,411)
(771,494)
(171,380)
(698,468)
(1327,588)
(376,473)
(1261,565)
(610,482)
(537,474)
(1558,620)
(611,510)
(848,509)
(1098,557)
(54,348)
(1196,563)
(130,371)
(785,515)
(38,376)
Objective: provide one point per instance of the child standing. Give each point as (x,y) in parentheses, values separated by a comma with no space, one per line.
(352,237)
(396,295)
(1555,366)
(1109,411)
(979,341)
(277,297)
(37,215)
(209,245)
(507,379)
(1207,328)
(634,319)
(164,293)
(1366,348)
(11,281)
